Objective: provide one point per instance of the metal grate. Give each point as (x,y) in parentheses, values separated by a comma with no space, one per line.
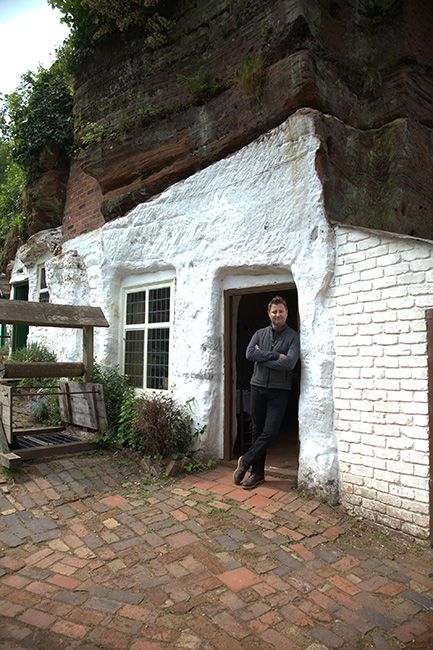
(43,440)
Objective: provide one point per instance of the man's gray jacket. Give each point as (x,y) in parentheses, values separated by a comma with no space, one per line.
(269,370)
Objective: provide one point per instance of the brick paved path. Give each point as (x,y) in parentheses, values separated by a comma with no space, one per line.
(93,557)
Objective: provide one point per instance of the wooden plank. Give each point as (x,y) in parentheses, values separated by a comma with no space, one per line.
(228,404)
(4,446)
(66,403)
(32,369)
(88,352)
(55,450)
(10,460)
(6,411)
(34,430)
(47,314)
(85,408)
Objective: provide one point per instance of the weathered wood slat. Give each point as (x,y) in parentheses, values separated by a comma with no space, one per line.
(6,411)
(9,459)
(86,409)
(4,445)
(33,369)
(46,314)
(54,450)
(35,430)
(88,352)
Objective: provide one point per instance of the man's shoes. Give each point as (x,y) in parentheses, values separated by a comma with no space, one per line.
(253,481)
(239,473)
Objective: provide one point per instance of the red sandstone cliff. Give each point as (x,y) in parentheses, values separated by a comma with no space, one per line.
(236,68)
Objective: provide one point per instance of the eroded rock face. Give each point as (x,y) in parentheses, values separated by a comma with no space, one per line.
(44,201)
(378,178)
(233,70)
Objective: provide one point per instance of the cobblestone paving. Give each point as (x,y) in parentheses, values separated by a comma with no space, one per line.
(94,557)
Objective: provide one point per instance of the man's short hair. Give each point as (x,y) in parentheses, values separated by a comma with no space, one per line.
(277,300)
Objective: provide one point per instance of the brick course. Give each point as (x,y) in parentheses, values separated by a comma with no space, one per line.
(82,208)
(382,287)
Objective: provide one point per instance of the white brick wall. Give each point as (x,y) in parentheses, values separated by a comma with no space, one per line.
(383,284)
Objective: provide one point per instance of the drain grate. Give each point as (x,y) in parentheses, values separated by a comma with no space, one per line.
(43,440)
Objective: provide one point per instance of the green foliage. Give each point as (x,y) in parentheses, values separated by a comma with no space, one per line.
(4,159)
(94,133)
(251,76)
(40,115)
(149,114)
(117,389)
(200,466)
(127,419)
(34,352)
(45,409)
(92,21)
(201,85)
(11,193)
(162,427)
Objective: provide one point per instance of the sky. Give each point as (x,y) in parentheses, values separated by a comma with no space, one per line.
(30,32)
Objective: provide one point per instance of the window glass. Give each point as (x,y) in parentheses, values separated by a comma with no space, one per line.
(44,294)
(134,358)
(135,307)
(147,337)
(159,305)
(157,358)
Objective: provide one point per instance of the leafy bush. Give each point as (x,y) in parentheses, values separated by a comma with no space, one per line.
(44,408)
(32,353)
(117,389)
(161,427)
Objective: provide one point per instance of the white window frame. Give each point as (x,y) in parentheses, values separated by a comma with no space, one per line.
(42,290)
(146,326)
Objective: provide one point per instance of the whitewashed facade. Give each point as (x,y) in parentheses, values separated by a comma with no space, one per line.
(383,285)
(257,219)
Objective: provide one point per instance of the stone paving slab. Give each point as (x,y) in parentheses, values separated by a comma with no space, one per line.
(93,555)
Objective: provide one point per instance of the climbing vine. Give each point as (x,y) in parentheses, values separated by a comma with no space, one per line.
(92,21)
(39,115)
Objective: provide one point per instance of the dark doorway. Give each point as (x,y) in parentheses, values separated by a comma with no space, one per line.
(249,313)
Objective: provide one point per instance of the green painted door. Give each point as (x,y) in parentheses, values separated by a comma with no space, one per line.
(20,332)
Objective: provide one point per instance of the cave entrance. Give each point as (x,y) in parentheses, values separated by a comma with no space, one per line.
(245,312)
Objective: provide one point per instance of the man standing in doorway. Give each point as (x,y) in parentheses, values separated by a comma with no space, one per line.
(275,352)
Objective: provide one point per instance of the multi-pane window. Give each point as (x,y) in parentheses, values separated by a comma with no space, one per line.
(43,291)
(147,336)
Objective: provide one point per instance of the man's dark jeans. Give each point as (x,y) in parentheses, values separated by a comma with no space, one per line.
(268,406)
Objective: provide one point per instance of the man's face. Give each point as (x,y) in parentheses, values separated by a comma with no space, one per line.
(277,315)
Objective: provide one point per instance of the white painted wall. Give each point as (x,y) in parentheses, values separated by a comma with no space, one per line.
(254,219)
(382,287)
(257,214)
